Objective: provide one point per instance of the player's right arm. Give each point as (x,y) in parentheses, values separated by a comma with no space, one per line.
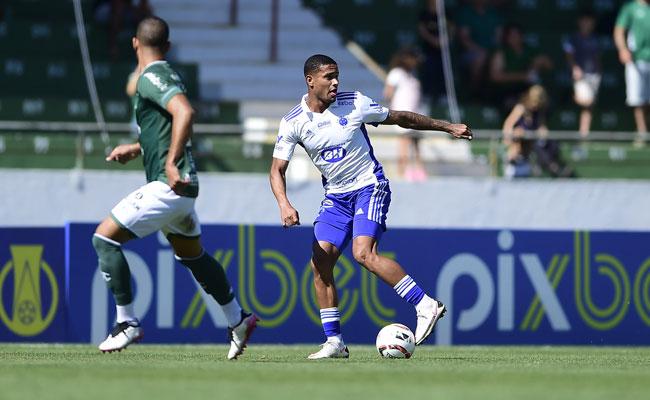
(621,26)
(125,153)
(288,214)
(282,153)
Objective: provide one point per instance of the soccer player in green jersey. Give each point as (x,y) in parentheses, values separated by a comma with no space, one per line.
(164,117)
(632,39)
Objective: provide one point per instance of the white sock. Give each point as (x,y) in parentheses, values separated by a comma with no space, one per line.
(335,339)
(232,311)
(125,313)
(425,302)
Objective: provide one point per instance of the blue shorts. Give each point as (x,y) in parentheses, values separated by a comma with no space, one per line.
(362,212)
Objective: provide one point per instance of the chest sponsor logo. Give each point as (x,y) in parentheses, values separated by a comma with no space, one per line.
(324,124)
(333,154)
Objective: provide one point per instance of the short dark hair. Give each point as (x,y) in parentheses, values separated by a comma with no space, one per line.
(313,63)
(153,32)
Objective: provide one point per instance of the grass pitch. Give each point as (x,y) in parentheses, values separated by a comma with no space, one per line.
(282,372)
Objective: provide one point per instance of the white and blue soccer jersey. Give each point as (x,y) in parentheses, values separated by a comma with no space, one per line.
(336,140)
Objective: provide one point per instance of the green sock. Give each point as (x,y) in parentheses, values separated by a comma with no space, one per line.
(114,268)
(211,276)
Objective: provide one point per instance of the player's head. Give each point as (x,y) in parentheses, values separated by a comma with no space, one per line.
(322,77)
(152,33)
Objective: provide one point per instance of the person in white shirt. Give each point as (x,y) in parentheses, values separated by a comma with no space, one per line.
(402,90)
(330,126)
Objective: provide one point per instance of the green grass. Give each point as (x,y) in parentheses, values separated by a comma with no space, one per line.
(282,372)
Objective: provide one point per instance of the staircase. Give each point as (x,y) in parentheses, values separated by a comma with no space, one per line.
(234,60)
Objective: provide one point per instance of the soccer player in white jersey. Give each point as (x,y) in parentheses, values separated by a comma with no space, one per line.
(330,126)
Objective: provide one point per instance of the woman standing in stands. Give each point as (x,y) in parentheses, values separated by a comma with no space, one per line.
(402,91)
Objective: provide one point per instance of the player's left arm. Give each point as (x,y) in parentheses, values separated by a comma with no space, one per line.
(411,120)
(182,116)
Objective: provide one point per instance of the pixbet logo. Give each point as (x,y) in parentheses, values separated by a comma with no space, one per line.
(497,291)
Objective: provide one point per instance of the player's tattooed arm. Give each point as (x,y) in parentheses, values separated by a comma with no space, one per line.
(411,120)
(124,153)
(288,214)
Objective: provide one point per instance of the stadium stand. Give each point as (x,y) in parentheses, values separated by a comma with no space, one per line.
(234,82)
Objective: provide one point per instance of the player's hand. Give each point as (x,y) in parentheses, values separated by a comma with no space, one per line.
(124,153)
(174,179)
(289,216)
(625,56)
(460,131)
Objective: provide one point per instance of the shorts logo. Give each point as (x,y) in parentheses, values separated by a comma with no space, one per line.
(343,121)
(333,154)
(27,317)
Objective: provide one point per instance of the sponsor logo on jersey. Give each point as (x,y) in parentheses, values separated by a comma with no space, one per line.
(279,138)
(155,80)
(343,121)
(26,316)
(324,123)
(345,103)
(333,154)
(327,203)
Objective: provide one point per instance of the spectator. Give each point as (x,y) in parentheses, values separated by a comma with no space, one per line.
(634,21)
(583,55)
(120,15)
(525,133)
(433,83)
(479,32)
(402,90)
(514,67)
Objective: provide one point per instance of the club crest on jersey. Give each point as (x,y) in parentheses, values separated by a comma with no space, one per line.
(343,121)
(333,154)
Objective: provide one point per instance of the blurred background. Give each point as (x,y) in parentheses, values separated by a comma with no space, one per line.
(242,63)
(555,179)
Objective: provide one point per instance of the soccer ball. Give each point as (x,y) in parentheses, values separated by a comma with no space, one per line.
(395,341)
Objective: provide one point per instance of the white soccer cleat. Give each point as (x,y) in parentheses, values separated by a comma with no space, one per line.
(331,350)
(122,335)
(428,314)
(240,334)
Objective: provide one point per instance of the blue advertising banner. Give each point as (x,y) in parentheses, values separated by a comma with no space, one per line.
(32,287)
(501,287)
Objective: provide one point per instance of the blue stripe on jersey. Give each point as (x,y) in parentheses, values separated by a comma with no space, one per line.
(346,97)
(343,93)
(378,170)
(374,105)
(293,110)
(294,115)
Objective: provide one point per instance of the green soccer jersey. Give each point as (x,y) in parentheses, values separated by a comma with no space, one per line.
(157,84)
(634,17)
